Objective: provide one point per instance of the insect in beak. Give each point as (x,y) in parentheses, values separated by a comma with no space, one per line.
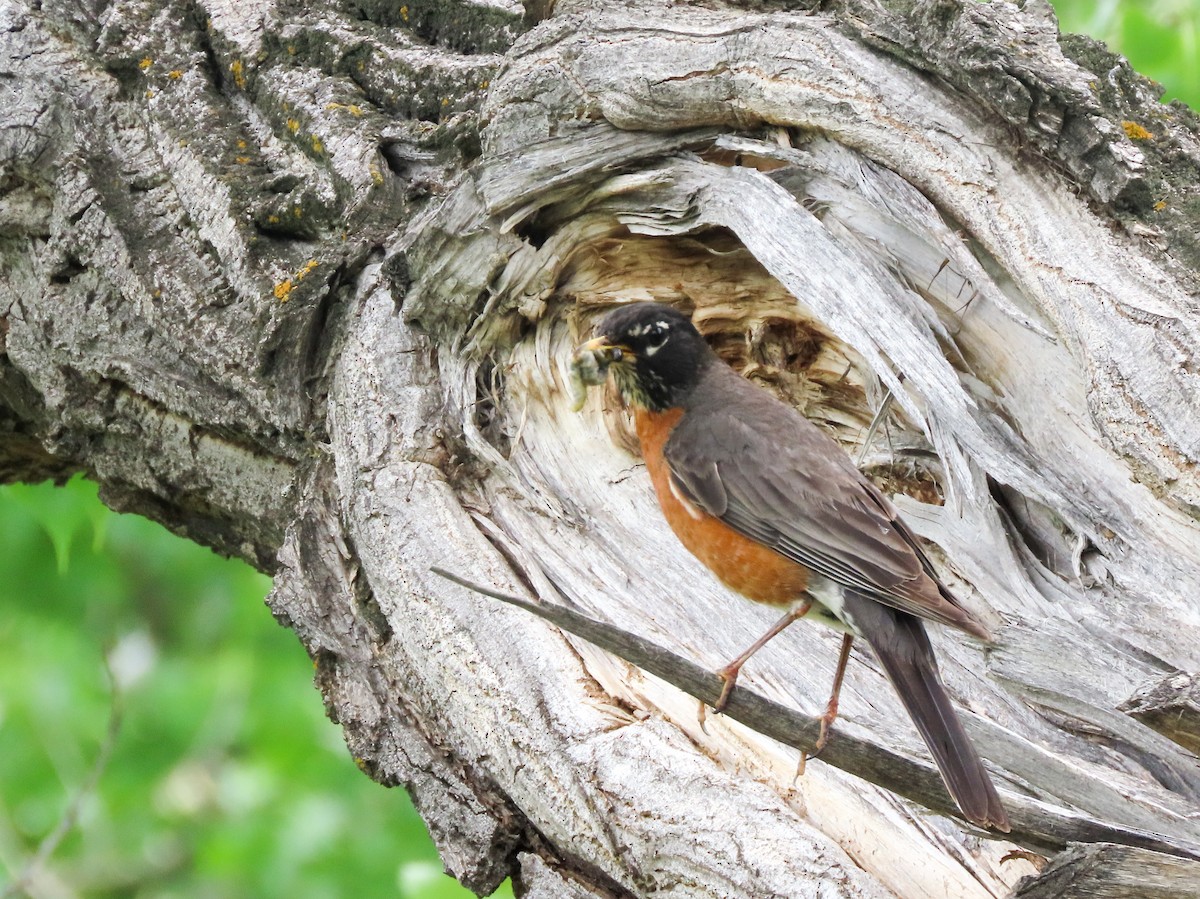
(589,367)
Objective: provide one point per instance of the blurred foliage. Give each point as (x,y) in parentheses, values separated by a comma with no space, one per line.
(1160,38)
(225,779)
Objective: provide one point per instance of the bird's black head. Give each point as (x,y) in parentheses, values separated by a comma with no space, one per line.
(655,353)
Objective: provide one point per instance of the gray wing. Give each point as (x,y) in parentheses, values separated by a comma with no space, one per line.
(773,476)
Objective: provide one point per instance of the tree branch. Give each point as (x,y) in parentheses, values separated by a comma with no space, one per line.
(70,815)
(1035,824)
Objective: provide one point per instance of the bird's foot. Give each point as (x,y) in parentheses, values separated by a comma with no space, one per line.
(827,720)
(729,676)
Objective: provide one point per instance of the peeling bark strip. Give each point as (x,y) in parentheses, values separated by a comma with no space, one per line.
(209,222)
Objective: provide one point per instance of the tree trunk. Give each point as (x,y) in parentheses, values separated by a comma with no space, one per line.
(303,286)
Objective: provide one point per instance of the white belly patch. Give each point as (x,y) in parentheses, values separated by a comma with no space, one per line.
(829,605)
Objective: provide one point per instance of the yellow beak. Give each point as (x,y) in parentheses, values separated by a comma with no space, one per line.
(599,346)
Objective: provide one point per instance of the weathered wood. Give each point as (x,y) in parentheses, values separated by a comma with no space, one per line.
(1034,824)
(525,710)
(1171,706)
(302,283)
(1102,871)
(543,882)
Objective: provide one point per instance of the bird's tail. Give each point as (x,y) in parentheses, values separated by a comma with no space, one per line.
(908,660)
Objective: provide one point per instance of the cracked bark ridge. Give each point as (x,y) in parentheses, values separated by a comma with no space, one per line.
(203,188)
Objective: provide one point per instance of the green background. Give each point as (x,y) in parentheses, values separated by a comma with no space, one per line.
(1161,38)
(225,779)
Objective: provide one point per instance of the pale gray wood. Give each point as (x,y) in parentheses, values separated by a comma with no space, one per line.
(1104,871)
(1034,824)
(303,285)
(544,882)
(1171,705)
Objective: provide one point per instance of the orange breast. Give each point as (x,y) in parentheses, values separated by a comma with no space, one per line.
(756,571)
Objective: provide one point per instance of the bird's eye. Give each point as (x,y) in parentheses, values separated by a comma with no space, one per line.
(616,354)
(656,335)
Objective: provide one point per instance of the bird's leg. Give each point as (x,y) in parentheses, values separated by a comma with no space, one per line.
(729,674)
(831,707)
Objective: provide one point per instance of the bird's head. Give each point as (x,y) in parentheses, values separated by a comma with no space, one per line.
(655,353)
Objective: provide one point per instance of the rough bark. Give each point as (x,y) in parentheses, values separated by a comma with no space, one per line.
(301,284)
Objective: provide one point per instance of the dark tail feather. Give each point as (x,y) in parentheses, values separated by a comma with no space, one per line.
(908,660)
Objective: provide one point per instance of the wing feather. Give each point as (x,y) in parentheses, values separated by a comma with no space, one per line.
(773,476)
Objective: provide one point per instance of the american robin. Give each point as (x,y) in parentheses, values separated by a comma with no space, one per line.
(777,511)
